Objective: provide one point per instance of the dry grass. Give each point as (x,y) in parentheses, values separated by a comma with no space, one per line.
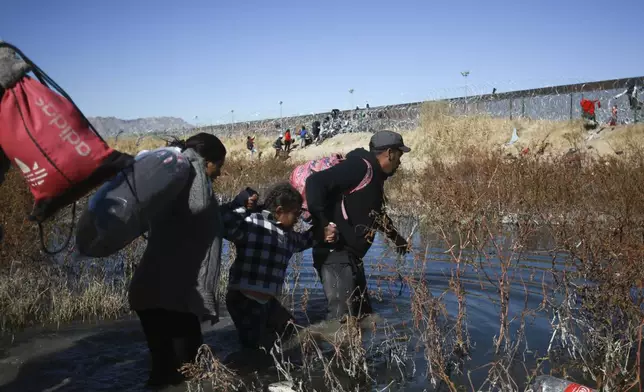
(20,243)
(442,136)
(235,145)
(46,294)
(574,186)
(258,174)
(38,289)
(207,368)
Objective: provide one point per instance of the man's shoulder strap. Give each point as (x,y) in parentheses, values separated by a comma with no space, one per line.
(365,181)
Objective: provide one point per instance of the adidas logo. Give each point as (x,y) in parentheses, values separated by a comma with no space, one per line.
(35,175)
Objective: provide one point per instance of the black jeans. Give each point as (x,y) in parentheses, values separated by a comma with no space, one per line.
(173,339)
(258,325)
(344,282)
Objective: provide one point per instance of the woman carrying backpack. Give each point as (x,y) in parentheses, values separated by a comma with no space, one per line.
(174,287)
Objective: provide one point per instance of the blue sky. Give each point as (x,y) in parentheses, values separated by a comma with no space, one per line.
(141,58)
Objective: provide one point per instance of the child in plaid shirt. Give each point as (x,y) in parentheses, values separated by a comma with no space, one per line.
(265,243)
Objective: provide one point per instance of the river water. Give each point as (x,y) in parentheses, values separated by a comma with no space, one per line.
(112,355)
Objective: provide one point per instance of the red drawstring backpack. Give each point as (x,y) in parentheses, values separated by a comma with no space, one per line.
(44,134)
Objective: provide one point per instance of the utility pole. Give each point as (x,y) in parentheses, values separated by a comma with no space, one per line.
(351,92)
(465,74)
(281,121)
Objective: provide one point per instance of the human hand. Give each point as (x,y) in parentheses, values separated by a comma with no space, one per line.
(330,233)
(402,247)
(251,203)
(249,198)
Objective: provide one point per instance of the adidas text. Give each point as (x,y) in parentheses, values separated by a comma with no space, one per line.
(66,131)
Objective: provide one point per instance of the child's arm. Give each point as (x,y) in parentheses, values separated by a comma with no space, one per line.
(242,200)
(235,217)
(304,240)
(309,239)
(235,224)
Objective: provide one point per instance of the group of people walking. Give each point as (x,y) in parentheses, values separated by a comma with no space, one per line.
(288,140)
(174,287)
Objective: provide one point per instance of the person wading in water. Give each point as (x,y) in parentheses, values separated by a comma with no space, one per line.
(340,265)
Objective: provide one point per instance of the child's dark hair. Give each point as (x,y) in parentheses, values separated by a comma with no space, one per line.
(205,144)
(283,195)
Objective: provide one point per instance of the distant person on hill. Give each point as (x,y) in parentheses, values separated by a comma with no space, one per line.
(250,145)
(631,94)
(315,129)
(308,140)
(633,101)
(588,112)
(588,108)
(302,135)
(288,140)
(357,215)
(613,116)
(277,145)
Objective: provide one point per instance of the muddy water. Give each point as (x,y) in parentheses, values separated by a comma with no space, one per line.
(112,356)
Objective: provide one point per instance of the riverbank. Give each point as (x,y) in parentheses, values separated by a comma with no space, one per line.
(462,183)
(448,138)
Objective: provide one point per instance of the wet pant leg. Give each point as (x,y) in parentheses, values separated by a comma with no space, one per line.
(173,339)
(258,325)
(344,283)
(280,321)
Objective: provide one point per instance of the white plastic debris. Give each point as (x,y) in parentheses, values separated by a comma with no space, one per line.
(282,386)
(514,138)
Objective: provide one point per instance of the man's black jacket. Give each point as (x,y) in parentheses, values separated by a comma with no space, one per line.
(324,193)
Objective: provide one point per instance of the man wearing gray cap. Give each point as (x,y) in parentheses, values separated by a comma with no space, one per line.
(351,195)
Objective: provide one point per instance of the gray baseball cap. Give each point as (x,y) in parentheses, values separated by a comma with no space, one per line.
(388,139)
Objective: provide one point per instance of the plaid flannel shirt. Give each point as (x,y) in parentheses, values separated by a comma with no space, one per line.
(263,250)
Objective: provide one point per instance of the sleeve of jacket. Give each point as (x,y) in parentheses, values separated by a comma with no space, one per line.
(323,187)
(241,199)
(305,240)
(235,217)
(238,225)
